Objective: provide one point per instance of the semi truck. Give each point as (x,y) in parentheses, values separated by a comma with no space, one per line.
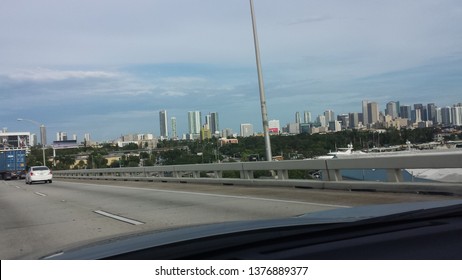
(12,164)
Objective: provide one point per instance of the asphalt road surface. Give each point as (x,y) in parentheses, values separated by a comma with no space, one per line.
(40,219)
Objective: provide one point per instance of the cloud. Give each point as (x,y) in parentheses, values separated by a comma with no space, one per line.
(44,74)
(173,93)
(309,20)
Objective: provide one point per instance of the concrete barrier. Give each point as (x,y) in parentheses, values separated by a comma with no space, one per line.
(330,168)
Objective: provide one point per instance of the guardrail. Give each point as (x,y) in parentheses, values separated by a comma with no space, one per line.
(218,173)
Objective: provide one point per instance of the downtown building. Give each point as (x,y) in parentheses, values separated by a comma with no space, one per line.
(163,124)
(194,124)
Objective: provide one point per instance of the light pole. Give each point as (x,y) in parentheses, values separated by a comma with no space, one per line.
(264,114)
(42,136)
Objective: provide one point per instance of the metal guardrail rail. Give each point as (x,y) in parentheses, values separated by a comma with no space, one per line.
(330,168)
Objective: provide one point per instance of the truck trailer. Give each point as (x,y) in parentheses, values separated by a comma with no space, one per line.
(12,164)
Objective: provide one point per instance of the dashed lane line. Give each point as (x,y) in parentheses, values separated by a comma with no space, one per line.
(119,218)
(39,193)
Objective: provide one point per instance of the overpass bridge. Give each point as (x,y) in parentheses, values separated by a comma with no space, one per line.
(243,173)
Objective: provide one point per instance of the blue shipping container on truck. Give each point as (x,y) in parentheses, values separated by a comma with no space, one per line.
(12,163)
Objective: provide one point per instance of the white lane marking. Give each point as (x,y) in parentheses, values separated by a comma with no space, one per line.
(117,217)
(18,187)
(225,196)
(39,193)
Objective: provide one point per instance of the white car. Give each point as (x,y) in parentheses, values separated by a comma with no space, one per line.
(39,173)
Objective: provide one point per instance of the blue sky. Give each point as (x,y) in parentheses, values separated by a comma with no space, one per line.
(107,67)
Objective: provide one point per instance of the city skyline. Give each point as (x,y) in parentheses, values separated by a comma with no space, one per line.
(62,68)
(415,113)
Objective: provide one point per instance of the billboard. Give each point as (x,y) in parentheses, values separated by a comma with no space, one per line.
(273,130)
(65,144)
(9,140)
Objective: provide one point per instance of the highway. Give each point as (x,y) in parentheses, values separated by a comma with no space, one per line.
(40,219)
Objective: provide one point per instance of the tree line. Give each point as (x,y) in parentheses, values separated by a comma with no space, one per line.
(173,152)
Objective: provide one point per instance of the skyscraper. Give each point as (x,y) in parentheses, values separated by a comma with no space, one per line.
(173,124)
(365,119)
(456,112)
(43,135)
(330,116)
(194,122)
(446,116)
(163,124)
(214,124)
(392,109)
(297,117)
(322,121)
(372,112)
(307,117)
(405,111)
(419,112)
(353,120)
(431,112)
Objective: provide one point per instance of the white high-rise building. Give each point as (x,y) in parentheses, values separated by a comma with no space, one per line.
(61,136)
(246,129)
(322,121)
(456,112)
(306,117)
(330,116)
(194,122)
(297,117)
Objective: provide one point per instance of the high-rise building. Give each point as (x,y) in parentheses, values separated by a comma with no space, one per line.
(344,120)
(416,115)
(173,124)
(297,117)
(405,112)
(446,116)
(372,112)
(293,128)
(207,122)
(43,135)
(205,133)
(438,118)
(86,139)
(456,112)
(246,130)
(353,120)
(214,124)
(330,116)
(419,112)
(228,132)
(392,109)
(322,121)
(194,122)
(306,117)
(365,112)
(431,112)
(61,136)
(163,119)
(335,126)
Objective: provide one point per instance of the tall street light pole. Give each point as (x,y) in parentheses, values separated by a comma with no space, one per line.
(42,136)
(264,114)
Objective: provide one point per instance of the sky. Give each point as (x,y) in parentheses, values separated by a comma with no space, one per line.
(108,67)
